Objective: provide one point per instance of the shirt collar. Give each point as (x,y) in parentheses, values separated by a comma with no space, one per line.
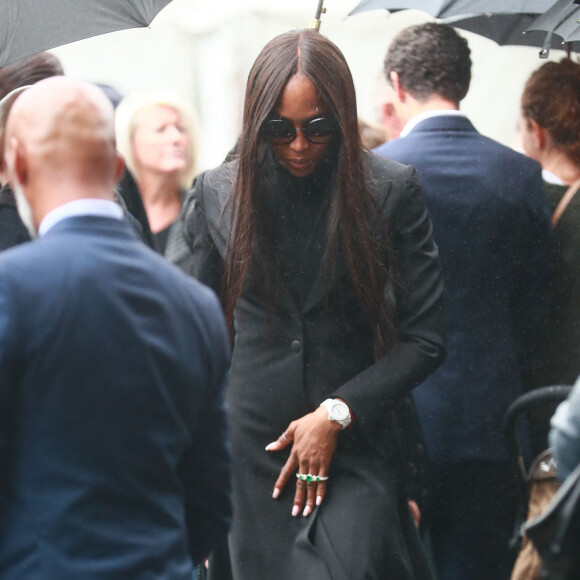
(550,177)
(412,123)
(80,207)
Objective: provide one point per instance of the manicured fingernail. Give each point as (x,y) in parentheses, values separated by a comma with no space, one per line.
(276,492)
(269,446)
(318,499)
(306,511)
(295,510)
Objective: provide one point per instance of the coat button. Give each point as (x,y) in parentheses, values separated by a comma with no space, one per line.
(295,346)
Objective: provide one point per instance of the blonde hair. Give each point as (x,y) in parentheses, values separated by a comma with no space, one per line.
(129,114)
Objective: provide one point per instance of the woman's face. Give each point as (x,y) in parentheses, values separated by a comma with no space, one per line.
(298,104)
(160,141)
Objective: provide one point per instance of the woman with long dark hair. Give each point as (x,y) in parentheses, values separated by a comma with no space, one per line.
(331,285)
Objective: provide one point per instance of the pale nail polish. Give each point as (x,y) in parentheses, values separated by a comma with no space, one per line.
(276,492)
(306,511)
(295,510)
(318,499)
(269,446)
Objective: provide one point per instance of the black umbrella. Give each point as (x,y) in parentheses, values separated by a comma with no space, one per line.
(452,8)
(506,23)
(31,26)
(561,20)
(503,29)
(514,29)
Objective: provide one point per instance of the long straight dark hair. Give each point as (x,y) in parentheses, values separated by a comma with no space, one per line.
(355,224)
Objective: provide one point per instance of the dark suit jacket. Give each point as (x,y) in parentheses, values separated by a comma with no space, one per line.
(112,365)
(491,223)
(325,348)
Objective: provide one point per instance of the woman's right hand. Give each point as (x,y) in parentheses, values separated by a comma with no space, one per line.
(313,438)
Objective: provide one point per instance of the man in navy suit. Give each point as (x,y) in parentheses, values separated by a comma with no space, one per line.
(113,458)
(491,223)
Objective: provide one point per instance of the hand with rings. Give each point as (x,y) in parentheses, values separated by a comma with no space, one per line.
(313,439)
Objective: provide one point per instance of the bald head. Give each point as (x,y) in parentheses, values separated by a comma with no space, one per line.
(60,143)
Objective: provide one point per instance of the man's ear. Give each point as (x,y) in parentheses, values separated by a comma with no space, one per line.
(18,163)
(119,167)
(399,91)
(388,111)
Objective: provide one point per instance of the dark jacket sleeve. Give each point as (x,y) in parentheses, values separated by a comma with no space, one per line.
(421,345)
(206,468)
(207,262)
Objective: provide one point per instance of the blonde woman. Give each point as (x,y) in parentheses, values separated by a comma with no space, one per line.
(156,136)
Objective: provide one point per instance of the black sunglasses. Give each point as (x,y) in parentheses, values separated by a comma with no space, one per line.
(282,132)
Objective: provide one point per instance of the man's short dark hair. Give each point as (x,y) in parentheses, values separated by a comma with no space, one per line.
(28,70)
(430,59)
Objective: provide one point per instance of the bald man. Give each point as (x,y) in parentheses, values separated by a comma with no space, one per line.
(113,459)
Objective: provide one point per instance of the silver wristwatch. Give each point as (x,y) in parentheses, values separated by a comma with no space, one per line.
(337,411)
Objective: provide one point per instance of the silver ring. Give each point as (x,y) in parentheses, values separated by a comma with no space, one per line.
(284,436)
(308,477)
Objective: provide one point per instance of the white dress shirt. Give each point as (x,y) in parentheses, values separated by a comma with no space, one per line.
(79,207)
(549,177)
(412,123)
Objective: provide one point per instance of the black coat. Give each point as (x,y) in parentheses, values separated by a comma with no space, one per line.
(12,230)
(557,360)
(325,348)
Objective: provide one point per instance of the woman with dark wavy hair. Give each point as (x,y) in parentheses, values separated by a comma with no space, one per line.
(324,259)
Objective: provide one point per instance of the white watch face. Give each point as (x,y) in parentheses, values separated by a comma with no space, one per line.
(339,411)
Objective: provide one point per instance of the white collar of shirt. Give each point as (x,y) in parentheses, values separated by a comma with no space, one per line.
(79,207)
(412,123)
(549,177)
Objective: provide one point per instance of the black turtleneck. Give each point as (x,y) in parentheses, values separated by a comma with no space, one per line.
(298,208)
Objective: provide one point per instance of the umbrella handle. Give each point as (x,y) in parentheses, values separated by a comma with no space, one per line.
(315,22)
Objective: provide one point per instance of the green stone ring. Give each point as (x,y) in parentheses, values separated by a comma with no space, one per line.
(309,478)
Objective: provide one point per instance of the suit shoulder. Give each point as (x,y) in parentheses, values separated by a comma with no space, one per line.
(381,168)
(398,149)
(210,196)
(217,182)
(512,169)
(383,175)
(203,295)
(22,257)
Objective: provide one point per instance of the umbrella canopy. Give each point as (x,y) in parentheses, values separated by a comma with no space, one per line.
(506,23)
(503,29)
(31,26)
(562,20)
(515,29)
(450,8)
